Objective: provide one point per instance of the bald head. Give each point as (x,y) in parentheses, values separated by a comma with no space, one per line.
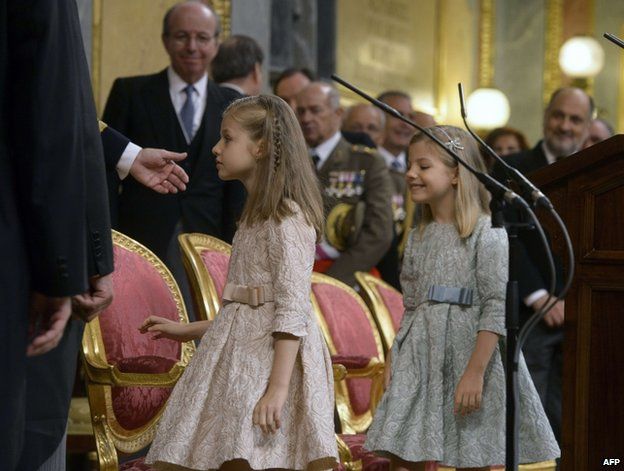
(423,119)
(191,39)
(566,121)
(365,118)
(599,130)
(318,112)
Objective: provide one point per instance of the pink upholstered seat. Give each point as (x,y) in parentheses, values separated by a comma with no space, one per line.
(217,265)
(385,303)
(130,374)
(393,300)
(353,340)
(206,261)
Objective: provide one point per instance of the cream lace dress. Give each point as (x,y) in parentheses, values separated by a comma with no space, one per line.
(208,418)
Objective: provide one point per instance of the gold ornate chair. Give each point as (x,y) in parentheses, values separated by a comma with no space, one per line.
(385,303)
(353,341)
(129,375)
(206,260)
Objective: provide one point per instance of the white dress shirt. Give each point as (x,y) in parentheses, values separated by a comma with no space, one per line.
(394,162)
(324,149)
(178,98)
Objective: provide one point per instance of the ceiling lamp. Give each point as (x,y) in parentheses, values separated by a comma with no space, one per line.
(581,57)
(487,108)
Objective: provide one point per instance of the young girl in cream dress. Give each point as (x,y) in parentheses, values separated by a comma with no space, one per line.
(258,393)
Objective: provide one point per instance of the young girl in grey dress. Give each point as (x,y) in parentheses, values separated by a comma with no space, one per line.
(445,383)
(258,392)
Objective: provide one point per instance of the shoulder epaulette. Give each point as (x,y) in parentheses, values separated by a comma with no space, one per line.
(361,148)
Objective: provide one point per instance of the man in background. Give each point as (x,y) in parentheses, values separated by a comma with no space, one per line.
(238,65)
(350,174)
(566,125)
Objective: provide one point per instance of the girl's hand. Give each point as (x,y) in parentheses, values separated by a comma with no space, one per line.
(388,370)
(468,393)
(268,411)
(164,328)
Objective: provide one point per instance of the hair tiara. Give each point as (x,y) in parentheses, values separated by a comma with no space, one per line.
(452,144)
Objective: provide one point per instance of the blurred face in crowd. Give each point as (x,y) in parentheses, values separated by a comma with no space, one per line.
(398,133)
(365,118)
(191,40)
(318,117)
(287,89)
(598,132)
(566,122)
(506,144)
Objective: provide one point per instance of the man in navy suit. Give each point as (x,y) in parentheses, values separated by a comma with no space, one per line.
(179,109)
(566,127)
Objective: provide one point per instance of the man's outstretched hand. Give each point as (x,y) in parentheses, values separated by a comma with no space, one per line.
(157,169)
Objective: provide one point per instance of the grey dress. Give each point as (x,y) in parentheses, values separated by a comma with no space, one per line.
(415,419)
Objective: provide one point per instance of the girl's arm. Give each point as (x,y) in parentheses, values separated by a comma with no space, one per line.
(169,329)
(291,256)
(470,387)
(491,274)
(268,410)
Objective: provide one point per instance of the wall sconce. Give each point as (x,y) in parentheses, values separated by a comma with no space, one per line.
(581,58)
(487,108)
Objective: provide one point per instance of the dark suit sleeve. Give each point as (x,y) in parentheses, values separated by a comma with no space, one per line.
(114,144)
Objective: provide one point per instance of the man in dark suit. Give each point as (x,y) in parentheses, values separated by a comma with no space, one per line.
(54,372)
(566,126)
(238,65)
(180,109)
(54,228)
(351,174)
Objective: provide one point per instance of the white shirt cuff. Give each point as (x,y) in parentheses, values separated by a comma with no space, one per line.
(127,159)
(534,296)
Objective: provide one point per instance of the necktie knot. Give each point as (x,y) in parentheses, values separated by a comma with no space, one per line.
(396,165)
(316,159)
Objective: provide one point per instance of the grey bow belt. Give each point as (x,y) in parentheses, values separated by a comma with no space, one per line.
(450,295)
(252,295)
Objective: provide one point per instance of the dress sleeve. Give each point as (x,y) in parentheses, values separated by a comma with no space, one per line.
(291,257)
(492,273)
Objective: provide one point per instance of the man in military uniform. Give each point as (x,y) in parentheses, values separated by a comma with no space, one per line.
(356,185)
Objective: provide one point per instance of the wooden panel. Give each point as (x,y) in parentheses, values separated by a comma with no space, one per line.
(602,236)
(609,219)
(606,383)
(588,191)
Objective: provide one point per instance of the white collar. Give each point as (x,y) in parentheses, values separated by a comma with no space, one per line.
(550,157)
(177,84)
(324,149)
(389,157)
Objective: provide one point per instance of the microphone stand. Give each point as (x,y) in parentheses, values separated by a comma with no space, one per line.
(501,197)
(515,340)
(614,39)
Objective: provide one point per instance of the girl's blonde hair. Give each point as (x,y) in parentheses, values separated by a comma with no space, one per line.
(284,170)
(471,198)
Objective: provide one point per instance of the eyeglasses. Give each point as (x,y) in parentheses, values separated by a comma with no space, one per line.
(182,38)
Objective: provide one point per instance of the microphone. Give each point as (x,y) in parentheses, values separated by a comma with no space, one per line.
(614,39)
(527,188)
(496,188)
